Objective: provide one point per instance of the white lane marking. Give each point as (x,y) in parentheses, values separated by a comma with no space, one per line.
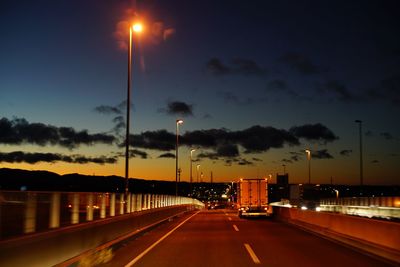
(236,228)
(157,242)
(229,218)
(252,254)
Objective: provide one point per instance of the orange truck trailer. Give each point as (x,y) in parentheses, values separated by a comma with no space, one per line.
(252,198)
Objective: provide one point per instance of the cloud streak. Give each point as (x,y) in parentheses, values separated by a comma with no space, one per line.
(33,158)
(238,66)
(300,63)
(20,131)
(178,108)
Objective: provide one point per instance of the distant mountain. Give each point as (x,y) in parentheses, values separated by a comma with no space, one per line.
(24,180)
(17,179)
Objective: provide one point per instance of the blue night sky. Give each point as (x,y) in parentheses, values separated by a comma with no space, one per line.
(256,83)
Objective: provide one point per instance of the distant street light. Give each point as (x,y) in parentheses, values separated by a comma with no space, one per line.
(284,169)
(137,27)
(337,196)
(176,156)
(309,165)
(191,163)
(361,158)
(198,167)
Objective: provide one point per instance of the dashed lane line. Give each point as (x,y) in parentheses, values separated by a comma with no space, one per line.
(157,242)
(252,254)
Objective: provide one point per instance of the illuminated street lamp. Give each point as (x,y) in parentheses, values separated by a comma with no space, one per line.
(198,167)
(177,171)
(361,158)
(337,196)
(191,163)
(136,27)
(309,165)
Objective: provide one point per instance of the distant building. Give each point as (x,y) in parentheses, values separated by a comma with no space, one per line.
(282,186)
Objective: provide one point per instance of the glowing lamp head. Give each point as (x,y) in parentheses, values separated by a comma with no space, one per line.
(137,27)
(179,121)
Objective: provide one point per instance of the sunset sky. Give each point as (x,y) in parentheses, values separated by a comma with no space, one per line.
(256,83)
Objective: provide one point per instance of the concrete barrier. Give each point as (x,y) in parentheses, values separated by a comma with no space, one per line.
(375,237)
(58,245)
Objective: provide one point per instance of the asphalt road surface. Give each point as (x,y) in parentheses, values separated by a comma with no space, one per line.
(219,238)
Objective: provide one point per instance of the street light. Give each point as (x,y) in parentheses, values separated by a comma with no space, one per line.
(137,27)
(361,158)
(176,156)
(309,165)
(191,163)
(198,167)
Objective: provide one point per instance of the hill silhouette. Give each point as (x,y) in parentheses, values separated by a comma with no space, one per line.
(26,180)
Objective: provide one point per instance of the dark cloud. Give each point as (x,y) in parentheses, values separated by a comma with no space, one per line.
(369,133)
(387,136)
(256,159)
(103,109)
(119,124)
(244,162)
(207,116)
(117,111)
(375,161)
(20,131)
(314,132)
(239,66)
(338,91)
(260,139)
(391,88)
(346,152)
(159,140)
(300,63)
(136,152)
(224,143)
(227,150)
(387,90)
(277,85)
(167,155)
(238,161)
(216,67)
(247,67)
(208,155)
(321,154)
(178,108)
(33,158)
(295,156)
(287,161)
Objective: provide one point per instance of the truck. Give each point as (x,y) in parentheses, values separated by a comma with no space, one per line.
(252,198)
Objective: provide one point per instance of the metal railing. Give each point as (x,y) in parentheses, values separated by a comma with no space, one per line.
(378,207)
(25,212)
(393,202)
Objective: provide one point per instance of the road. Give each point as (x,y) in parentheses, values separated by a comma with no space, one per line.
(220,238)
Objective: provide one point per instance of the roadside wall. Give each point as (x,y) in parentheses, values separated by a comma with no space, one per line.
(56,246)
(376,237)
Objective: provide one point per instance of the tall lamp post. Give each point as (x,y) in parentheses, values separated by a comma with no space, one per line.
(309,165)
(191,163)
(198,167)
(136,27)
(176,155)
(361,158)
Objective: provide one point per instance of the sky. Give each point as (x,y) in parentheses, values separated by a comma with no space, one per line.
(256,83)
